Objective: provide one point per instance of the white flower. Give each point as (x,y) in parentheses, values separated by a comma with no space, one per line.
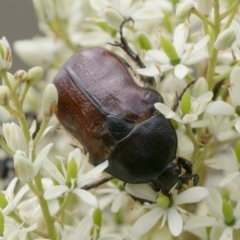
(113,195)
(217,219)
(169,213)
(5,54)
(228,162)
(76,182)
(27,169)
(188,56)
(198,106)
(14,137)
(40,51)
(114,12)
(13,201)
(16,231)
(81,232)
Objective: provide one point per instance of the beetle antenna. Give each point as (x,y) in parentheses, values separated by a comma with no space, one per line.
(178,98)
(126,48)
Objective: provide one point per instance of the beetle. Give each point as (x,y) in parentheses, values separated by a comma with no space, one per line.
(114,118)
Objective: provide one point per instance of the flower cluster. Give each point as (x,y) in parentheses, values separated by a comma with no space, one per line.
(190,49)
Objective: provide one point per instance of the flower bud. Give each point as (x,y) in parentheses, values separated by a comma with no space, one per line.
(164,201)
(228,212)
(72,172)
(4,95)
(186,103)
(170,51)
(23,167)
(225,39)
(184,9)
(34,74)
(143,41)
(20,75)
(5,54)
(200,87)
(204,7)
(50,99)
(113,18)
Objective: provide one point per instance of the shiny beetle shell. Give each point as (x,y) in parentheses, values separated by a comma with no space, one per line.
(101,106)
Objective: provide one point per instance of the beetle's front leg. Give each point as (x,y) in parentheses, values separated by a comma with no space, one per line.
(126,48)
(187,165)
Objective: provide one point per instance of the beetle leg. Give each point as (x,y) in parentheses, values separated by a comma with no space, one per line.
(126,48)
(187,165)
(97,183)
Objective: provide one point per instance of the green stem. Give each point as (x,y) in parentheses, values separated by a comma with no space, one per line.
(203,18)
(45,209)
(24,93)
(214,54)
(233,8)
(14,216)
(206,32)
(5,79)
(34,190)
(6,147)
(64,204)
(191,136)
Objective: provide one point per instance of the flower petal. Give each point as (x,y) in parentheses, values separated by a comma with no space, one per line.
(175,222)
(189,118)
(228,178)
(92,174)
(151,71)
(41,157)
(227,234)
(180,71)
(55,191)
(147,13)
(220,108)
(54,172)
(86,197)
(147,221)
(157,56)
(167,112)
(117,202)
(142,191)
(200,222)
(191,195)
(83,228)
(180,37)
